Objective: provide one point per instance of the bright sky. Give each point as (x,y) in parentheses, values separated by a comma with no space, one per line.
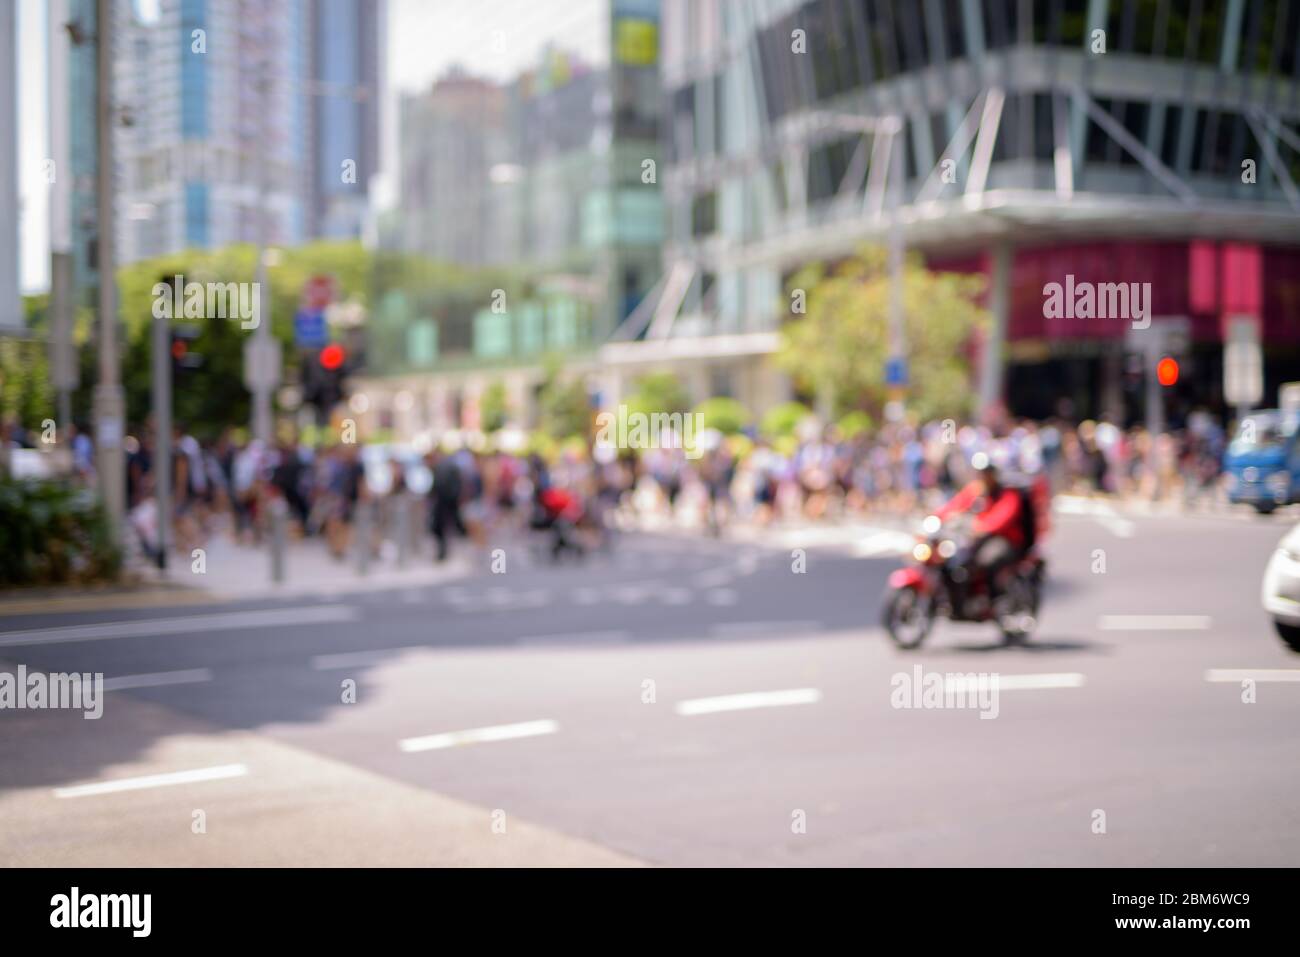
(492,38)
(33,148)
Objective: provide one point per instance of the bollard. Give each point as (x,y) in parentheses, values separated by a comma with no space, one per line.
(401,521)
(279,529)
(361,533)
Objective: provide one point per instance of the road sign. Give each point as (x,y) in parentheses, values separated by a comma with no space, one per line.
(318,292)
(1243,363)
(309,328)
(261,363)
(896,372)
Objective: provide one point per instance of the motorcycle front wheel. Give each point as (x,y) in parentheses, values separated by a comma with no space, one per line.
(907,617)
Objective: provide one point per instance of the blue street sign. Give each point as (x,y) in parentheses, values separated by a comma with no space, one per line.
(309,328)
(895,372)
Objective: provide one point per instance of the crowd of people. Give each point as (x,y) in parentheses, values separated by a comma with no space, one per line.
(486,494)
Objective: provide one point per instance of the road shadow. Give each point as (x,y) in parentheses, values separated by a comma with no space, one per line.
(1030,646)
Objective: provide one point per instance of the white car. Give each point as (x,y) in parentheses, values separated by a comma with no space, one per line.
(1281,591)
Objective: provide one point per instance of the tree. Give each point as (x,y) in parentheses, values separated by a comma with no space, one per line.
(494,408)
(658,392)
(841,342)
(728,416)
(562,402)
(212,395)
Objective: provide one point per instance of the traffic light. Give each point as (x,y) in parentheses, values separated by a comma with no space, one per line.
(323,374)
(184,357)
(333,357)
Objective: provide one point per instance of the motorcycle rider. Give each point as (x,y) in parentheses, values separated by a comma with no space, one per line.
(998,529)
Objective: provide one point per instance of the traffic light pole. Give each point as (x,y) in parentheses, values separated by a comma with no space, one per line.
(263,386)
(162,416)
(110,400)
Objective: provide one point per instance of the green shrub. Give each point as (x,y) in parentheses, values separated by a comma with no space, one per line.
(52,532)
(728,416)
(782,420)
(853,424)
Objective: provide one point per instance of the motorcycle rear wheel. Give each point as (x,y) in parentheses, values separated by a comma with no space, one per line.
(1021,620)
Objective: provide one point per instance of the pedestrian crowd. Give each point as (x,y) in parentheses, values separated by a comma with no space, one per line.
(486,494)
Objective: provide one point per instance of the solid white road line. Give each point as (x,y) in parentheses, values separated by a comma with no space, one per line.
(577,638)
(1234,675)
(752,699)
(349,659)
(884,543)
(500,732)
(148,627)
(157,679)
(715,578)
(1105,515)
(1064,679)
(153,781)
(732,629)
(1154,622)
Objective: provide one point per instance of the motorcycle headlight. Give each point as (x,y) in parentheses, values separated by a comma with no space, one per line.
(931,524)
(947,548)
(921,552)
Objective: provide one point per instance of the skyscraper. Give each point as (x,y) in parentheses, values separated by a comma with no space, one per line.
(72,98)
(246,121)
(11,316)
(347,37)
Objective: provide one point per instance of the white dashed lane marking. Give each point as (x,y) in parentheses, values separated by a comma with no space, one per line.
(350,659)
(157,679)
(1154,622)
(747,701)
(962,683)
(500,732)
(193,624)
(732,629)
(1234,675)
(153,781)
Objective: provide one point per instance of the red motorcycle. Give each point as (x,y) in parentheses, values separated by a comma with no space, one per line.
(935,586)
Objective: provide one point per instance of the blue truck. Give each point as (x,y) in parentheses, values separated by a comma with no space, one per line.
(1263,460)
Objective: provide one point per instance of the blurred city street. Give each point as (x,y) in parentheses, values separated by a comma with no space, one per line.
(587,771)
(649,434)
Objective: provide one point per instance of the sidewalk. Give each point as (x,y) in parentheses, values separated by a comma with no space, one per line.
(279,806)
(245,572)
(240,573)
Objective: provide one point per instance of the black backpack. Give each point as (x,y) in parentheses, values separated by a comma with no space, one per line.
(1028,517)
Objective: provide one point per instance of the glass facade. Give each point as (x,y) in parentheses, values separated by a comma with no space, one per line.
(1179,84)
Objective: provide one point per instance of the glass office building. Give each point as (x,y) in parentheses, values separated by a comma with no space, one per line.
(547,187)
(1111,140)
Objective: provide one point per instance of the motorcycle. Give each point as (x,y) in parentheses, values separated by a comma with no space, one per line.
(934,586)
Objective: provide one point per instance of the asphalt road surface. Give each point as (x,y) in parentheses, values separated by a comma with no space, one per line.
(680,701)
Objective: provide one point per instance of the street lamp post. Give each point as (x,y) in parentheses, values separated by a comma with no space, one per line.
(891,127)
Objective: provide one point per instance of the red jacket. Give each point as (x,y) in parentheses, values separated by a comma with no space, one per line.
(998,514)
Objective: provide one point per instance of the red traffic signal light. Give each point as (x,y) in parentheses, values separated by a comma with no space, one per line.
(332,356)
(1167,371)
